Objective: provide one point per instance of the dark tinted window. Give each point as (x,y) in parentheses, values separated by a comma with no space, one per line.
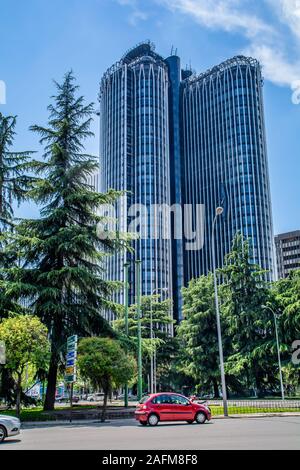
(162,400)
(178,400)
(144,399)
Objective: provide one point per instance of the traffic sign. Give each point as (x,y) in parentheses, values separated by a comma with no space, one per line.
(72,339)
(70,376)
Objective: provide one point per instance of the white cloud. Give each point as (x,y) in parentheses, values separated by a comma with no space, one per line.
(289,13)
(265,42)
(228,15)
(276,67)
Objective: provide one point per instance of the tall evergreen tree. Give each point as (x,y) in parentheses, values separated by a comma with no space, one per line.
(287,305)
(197,335)
(62,273)
(249,325)
(14,182)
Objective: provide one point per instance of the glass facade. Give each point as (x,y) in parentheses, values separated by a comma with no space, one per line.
(170,137)
(135,157)
(225,161)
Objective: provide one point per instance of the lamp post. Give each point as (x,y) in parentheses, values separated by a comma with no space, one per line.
(153,356)
(126,288)
(219,212)
(140,370)
(266,307)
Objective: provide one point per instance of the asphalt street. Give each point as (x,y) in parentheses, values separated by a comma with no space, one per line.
(273,433)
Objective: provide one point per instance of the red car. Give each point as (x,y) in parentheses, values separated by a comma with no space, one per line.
(170,407)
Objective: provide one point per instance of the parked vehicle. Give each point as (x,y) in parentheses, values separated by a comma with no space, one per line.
(130,397)
(61,398)
(170,407)
(95,397)
(9,426)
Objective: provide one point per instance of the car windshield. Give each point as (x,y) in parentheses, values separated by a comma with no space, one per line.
(144,399)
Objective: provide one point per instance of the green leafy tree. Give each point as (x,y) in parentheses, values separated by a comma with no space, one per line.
(25,339)
(105,364)
(61,274)
(197,335)
(287,304)
(249,326)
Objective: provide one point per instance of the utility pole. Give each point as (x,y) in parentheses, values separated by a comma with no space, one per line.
(140,369)
(126,288)
(219,212)
(266,307)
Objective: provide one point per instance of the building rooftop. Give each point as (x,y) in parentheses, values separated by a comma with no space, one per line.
(236,61)
(283,236)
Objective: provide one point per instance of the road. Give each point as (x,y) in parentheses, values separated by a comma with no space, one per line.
(244,433)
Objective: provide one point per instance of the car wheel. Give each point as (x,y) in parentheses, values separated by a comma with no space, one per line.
(153,420)
(143,423)
(200,418)
(190,421)
(2,433)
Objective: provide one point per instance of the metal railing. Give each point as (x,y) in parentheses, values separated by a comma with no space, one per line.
(244,407)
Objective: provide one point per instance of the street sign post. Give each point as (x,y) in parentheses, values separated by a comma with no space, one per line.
(70,371)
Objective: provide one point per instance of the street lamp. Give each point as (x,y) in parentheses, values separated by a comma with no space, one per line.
(140,370)
(219,212)
(266,307)
(126,288)
(153,356)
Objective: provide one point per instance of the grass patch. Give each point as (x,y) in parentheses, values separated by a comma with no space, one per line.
(31,414)
(242,410)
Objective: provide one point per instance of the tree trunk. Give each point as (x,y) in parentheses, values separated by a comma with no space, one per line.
(51,386)
(103,414)
(18,395)
(216,389)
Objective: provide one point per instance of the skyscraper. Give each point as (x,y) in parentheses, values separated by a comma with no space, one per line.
(169,136)
(135,157)
(225,161)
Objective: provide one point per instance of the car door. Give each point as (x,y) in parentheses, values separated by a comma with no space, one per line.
(181,408)
(163,406)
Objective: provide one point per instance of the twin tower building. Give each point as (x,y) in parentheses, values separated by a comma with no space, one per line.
(189,143)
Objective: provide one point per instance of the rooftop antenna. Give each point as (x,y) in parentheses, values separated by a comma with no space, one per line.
(172,50)
(176,51)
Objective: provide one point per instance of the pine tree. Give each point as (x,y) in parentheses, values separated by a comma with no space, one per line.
(197,335)
(14,184)
(249,325)
(62,273)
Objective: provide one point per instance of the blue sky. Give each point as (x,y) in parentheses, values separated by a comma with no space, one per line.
(40,40)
